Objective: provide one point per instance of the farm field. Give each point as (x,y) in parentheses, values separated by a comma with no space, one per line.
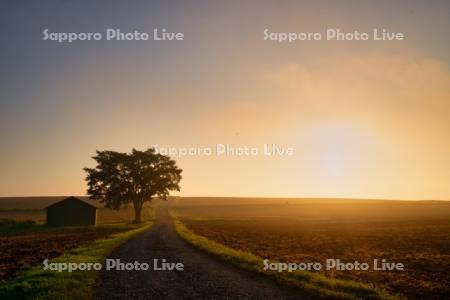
(26,241)
(19,251)
(33,208)
(415,233)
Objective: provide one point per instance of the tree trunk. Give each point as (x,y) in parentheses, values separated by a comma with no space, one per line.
(137,212)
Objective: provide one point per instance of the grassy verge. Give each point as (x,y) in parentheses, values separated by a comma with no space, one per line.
(38,283)
(316,285)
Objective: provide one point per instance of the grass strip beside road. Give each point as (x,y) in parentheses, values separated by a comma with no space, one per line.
(38,283)
(315,285)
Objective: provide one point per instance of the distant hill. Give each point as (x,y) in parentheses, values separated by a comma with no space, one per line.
(268,200)
(39,203)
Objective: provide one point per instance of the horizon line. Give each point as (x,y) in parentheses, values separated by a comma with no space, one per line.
(256,197)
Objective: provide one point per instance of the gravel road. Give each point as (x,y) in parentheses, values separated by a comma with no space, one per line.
(203,277)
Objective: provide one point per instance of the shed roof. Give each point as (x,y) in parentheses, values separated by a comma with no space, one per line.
(71,198)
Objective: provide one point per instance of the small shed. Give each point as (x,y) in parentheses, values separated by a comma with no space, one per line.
(71,212)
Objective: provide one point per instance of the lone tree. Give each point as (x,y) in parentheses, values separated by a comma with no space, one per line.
(136,177)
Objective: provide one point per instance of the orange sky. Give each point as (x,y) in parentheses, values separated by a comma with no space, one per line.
(365,119)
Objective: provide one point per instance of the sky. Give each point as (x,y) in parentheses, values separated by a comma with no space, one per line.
(365,119)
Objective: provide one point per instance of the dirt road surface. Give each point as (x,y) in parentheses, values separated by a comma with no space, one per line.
(203,277)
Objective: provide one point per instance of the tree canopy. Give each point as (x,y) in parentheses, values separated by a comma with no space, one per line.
(137,177)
